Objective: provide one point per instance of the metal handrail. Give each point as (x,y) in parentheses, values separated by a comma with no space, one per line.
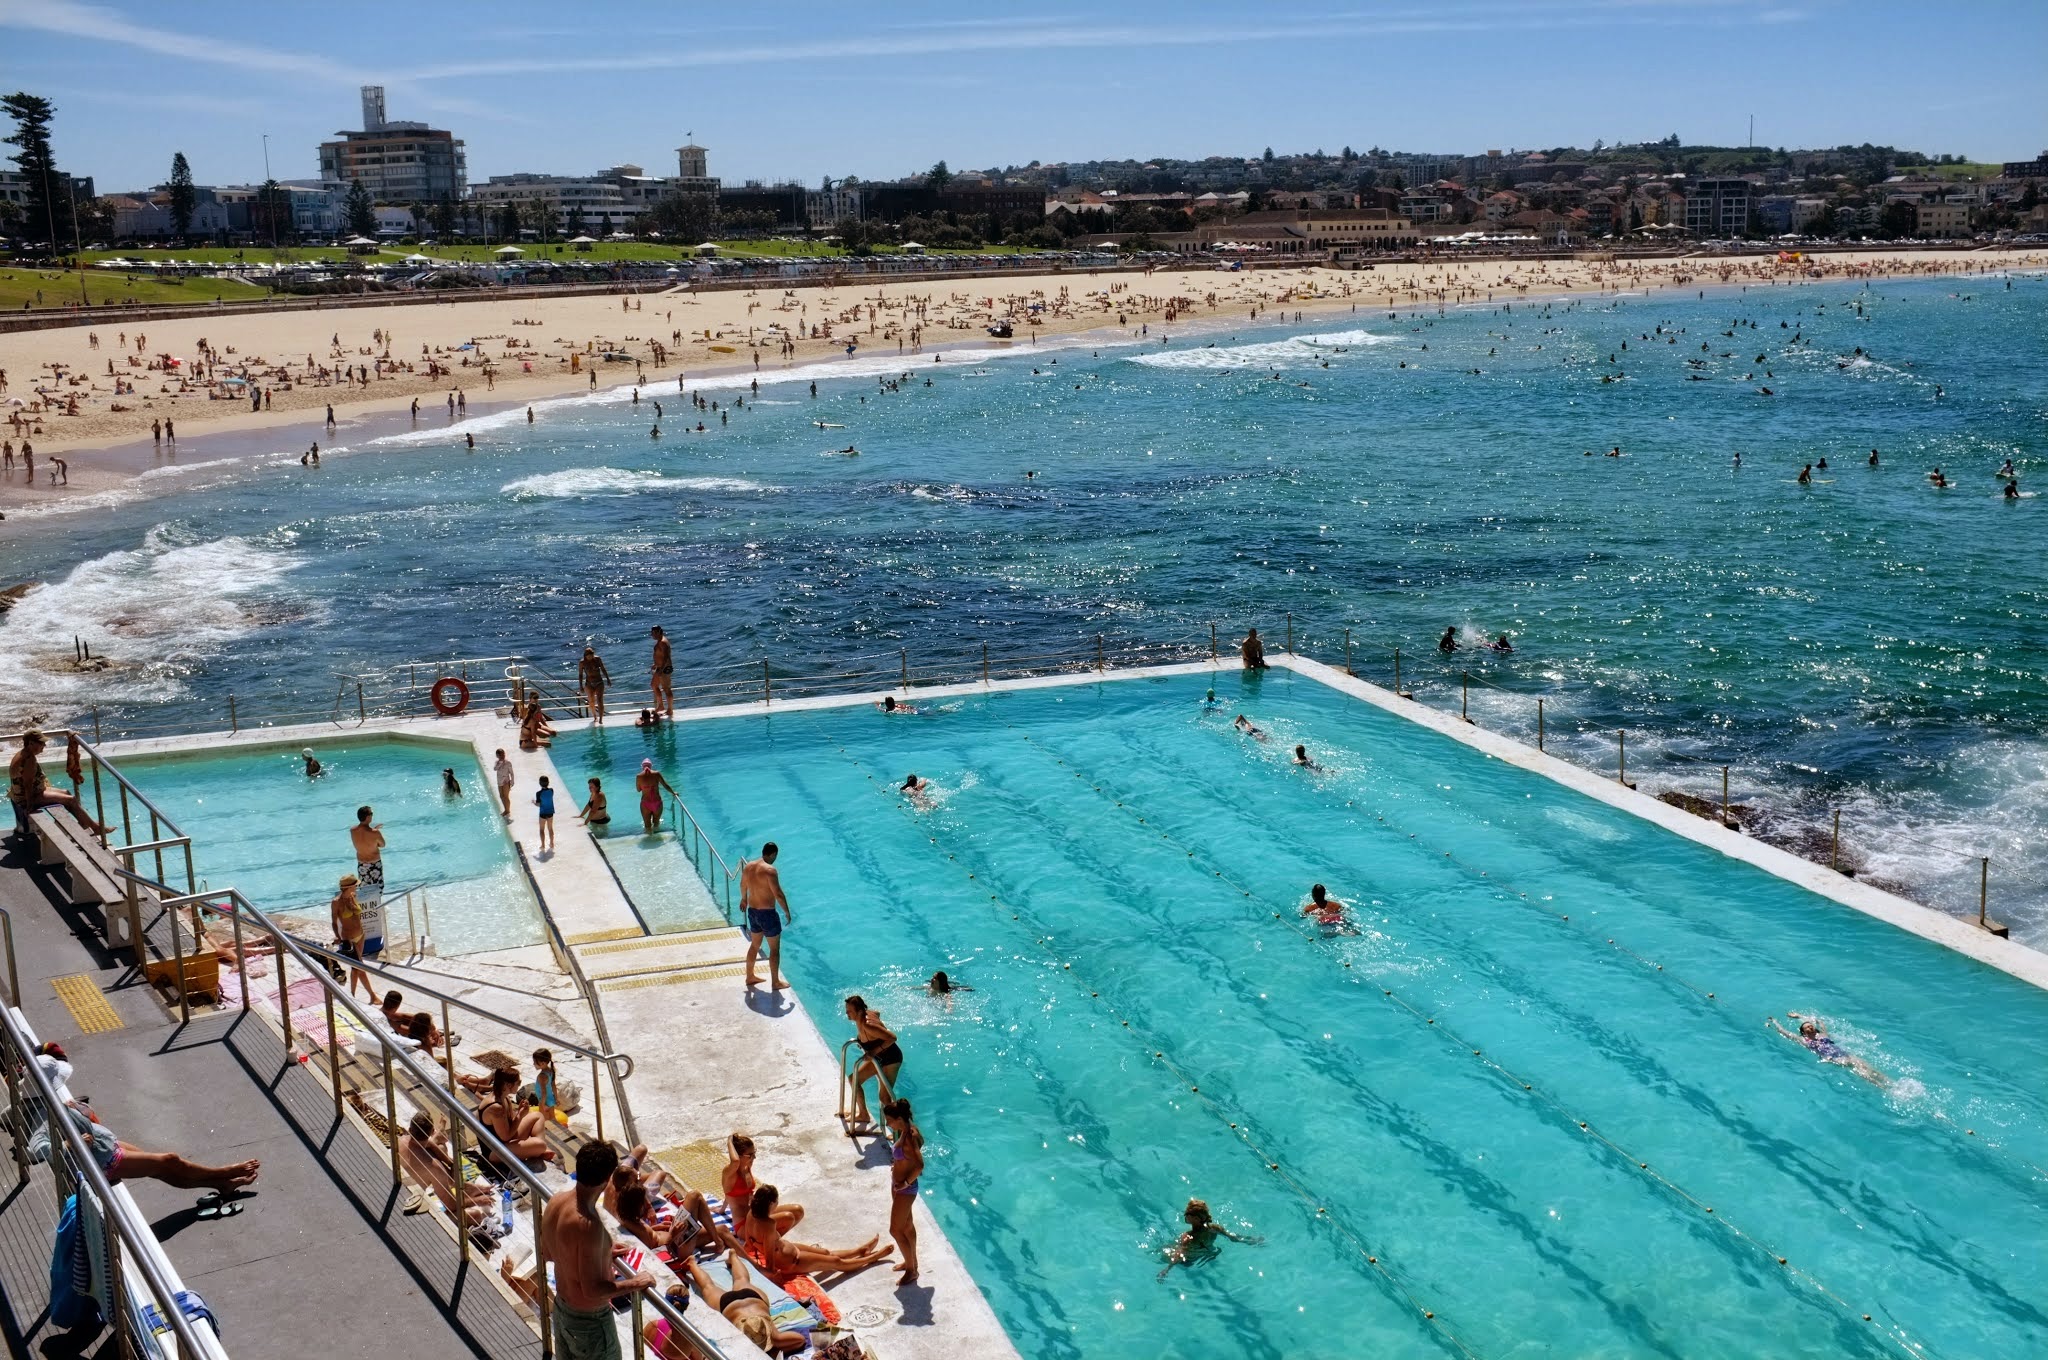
(882,1086)
(13,977)
(193,1342)
(461,1118)
(567,957)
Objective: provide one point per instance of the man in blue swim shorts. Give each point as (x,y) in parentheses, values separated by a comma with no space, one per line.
(760,895)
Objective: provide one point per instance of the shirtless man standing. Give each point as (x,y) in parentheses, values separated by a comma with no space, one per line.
(579,1244)
(664,675)
(760,895)
(592,678)
(369,843)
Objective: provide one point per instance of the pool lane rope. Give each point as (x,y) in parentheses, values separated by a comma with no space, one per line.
(1891,1333)
(1504,890)
(1319,1212)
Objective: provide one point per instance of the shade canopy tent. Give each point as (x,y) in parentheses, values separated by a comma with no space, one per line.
(913,248)
(708,248)
(508,252)
(583,242)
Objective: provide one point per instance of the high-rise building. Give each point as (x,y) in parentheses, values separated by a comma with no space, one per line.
(1718,207)
(398,162)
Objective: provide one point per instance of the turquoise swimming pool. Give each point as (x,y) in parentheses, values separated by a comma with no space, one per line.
(1530,1108)
(260,825)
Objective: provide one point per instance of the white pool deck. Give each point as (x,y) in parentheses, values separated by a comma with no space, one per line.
(712,1057)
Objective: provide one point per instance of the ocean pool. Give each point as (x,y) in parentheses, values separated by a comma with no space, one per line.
(259,824)
(1530,1108)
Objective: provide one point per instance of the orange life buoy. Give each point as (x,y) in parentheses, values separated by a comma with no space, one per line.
(449,704)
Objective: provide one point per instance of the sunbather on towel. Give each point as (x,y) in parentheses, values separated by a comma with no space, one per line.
(743,1305)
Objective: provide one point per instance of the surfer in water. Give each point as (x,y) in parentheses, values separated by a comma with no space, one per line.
(1806,475)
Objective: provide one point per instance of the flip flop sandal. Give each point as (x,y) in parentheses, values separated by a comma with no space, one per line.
(213,1204)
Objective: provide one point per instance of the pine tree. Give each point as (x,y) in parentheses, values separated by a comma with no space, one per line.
(184,198)
(48,207)
(362,213)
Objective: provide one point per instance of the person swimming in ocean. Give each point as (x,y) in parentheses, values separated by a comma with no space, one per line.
(1198,1243)
(1501,645)
(2012,489)
(1815,1038)
(1249,728)
(1806,475)
(1448,643)
(1938,478)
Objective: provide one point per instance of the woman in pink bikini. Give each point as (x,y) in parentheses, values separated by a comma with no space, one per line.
(651,782)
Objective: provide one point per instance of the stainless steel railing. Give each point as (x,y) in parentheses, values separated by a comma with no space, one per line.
(131,1245)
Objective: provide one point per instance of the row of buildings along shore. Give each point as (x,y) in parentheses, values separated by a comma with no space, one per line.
(416,178)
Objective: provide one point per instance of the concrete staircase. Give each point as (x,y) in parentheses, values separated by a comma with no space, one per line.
(715,954)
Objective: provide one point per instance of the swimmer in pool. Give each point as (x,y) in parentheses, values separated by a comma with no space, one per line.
(918,791)
(1328,911)
(313,767)
(1302,758)
(889,705)
(1248,727)
(1198,1243)
(1823,1046)
(450,785)
(941,985)
(1210,700)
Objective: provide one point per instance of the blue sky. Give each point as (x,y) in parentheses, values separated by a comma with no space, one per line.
(880,90)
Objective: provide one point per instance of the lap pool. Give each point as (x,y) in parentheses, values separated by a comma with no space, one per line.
(258,824)
(1531,1108)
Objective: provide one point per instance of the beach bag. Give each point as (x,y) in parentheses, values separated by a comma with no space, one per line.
(71,1302)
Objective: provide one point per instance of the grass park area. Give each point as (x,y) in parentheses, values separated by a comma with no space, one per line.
(50,289)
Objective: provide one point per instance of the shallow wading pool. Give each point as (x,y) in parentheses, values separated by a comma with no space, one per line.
(260,825)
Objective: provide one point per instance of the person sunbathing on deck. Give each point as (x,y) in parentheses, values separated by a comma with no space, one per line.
(781,1259)
(690,1231)
(742,1305)
(736,1182)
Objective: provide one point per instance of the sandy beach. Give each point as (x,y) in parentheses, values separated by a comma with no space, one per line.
(90,394)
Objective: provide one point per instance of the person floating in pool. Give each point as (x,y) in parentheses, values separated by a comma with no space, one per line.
(1304,759)
(1448,643)
(1328,911)
(1198,1243)
(1816,1038)
(1249,728)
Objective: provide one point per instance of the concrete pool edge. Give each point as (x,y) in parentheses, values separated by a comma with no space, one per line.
(1929,923)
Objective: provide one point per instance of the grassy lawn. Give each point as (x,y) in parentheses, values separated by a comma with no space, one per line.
(1973,170)
(44,289)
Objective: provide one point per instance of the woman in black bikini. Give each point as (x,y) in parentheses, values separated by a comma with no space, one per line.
(742,1305)
(883,1061)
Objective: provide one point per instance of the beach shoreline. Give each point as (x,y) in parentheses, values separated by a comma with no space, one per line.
(543,342)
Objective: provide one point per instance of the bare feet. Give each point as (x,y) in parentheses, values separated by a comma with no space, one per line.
(232,1177)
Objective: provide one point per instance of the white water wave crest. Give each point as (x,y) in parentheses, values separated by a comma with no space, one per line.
(144,483)
(149,614)
(1292,351)
(591,482)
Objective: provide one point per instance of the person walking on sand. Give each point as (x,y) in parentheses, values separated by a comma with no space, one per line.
(760,894)
(502,770)
(650,782)
(369,846)
(593,679)
(664,675)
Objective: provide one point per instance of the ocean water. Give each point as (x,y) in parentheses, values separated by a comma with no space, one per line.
(1528,1107)
(1866,643)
